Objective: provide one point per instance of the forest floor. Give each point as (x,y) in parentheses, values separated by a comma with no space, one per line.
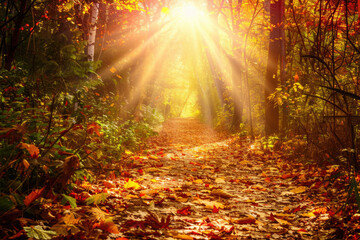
(194,183)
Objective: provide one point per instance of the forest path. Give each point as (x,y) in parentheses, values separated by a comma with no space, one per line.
(196,184)
(193,183)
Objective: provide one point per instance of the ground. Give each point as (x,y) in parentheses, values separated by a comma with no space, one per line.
(194,183)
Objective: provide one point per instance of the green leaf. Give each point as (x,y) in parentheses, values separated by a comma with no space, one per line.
(97,198)
(70,200)
(5,204)
(37,232)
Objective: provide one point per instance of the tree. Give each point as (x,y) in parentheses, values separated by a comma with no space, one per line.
(271,78)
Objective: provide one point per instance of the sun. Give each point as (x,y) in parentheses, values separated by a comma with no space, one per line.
(188,12)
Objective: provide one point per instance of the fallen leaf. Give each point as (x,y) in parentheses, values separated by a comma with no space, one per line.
(184,211)
(244,220)
(183,236)
(221,193)
(132,184)
(35,194)
(282,222)
(210,204)
(220,180)
(109,184)
(109,226)
(96,199)
(37,232)
(300,189)
(215,209)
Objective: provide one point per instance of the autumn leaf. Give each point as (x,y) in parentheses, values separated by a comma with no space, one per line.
(221,193)
(300,189)
(108,225)
(93,128)
(282,222)
(132,184)
(32,149)
(215,209)
(96,199)
(38,232)
(70,200)
(35,194)
(109,184)
(112,69)
(244,220)
(184,211)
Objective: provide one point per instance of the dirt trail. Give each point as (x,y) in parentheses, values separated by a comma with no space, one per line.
(210,187)
(194,183)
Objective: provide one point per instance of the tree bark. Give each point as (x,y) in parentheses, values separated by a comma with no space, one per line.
(271,77)
(94,12)
(10,56)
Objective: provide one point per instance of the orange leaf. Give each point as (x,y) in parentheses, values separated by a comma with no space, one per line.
(109,184)
(32,149)
(296,77)
(109,226)
(35,194)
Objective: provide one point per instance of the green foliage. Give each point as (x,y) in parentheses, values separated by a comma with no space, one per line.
(152,116)
(269,143)
(70,200)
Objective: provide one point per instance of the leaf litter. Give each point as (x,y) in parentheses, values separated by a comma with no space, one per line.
(194,183)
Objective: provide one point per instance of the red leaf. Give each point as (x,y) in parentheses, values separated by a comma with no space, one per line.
(215,209)
(93,127)
(35,194)
(271,217)
(245,220)
(184,211)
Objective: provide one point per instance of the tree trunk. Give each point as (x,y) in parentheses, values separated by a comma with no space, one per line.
(94,12)
(285,111)
(10,56)
(271,78)
(236,73)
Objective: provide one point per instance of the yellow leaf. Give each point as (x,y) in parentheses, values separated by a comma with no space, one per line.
(199,181)
(220,180)
(309,214)
(282,222)
(153,180)
(132,184)
(300,189)
(128,152)
(26,164)
(112,69)
(69,219)
(131,196)
(184,237)
(153,157)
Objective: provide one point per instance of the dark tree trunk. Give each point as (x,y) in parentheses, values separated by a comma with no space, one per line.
(271,78)
(10,56)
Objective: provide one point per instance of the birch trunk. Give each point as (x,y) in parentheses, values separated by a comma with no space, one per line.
(94,12)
